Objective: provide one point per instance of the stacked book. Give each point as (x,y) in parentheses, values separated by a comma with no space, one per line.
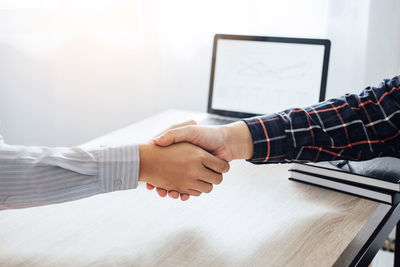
(377,179)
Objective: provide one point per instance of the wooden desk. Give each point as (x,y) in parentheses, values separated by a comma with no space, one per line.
(256,217)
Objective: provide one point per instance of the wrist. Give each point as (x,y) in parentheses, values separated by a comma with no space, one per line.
(239,139)
(145,154)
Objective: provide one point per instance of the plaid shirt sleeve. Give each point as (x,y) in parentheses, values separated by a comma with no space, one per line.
(354,127)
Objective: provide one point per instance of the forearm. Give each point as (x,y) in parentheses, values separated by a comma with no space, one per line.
(32,176)
(355,127)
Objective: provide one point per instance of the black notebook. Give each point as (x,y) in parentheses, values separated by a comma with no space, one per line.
(381,172)
(364,191)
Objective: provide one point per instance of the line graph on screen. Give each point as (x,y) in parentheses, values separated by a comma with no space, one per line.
(262,69)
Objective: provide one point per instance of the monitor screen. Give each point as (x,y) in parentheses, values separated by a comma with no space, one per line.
(262,77)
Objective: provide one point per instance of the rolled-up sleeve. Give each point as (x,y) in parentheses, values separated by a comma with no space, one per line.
(33,176)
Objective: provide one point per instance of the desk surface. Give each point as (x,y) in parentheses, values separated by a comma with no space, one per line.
(255,217)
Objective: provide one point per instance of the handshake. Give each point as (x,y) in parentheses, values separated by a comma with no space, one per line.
(187,159)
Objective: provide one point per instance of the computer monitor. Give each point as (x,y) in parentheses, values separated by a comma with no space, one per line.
(253,75)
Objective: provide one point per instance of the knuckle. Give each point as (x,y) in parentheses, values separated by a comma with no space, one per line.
(201,154)
(164,136)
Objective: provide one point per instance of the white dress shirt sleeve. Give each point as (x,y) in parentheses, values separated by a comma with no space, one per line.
(33,176)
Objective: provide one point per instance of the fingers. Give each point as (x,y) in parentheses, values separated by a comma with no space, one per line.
(149,186)
(203,186)
(211,177)
(186,133)
(193,192)
(185,197)
(173,194)
(161,192)
(215,164)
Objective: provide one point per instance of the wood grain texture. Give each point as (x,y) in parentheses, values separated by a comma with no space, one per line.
(365,233)
(256,217)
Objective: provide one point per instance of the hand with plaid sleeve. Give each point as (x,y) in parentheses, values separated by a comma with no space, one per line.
(353,127)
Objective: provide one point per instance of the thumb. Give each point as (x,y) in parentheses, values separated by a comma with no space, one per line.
(182,124)
(179,125)
(182,134)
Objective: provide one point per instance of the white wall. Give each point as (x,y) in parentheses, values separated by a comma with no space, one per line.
(347,28)
(73,70)
(383,54)
(365,39)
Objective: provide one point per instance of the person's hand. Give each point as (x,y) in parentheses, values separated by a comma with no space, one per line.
(227,142)
(161,191)
(182,167)
(232,141)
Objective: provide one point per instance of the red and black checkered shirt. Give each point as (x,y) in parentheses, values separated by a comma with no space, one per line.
(354,127)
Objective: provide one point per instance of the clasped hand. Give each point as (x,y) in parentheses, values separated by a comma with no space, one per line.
(187,160)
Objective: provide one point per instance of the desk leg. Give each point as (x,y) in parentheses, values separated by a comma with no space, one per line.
(373,233)
(397,247)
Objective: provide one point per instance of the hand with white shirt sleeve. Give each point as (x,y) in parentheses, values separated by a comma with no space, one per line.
(34,176)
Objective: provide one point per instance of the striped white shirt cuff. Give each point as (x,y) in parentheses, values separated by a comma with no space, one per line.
(118,168)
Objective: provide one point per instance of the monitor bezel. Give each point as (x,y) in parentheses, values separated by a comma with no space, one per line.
(236,114)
